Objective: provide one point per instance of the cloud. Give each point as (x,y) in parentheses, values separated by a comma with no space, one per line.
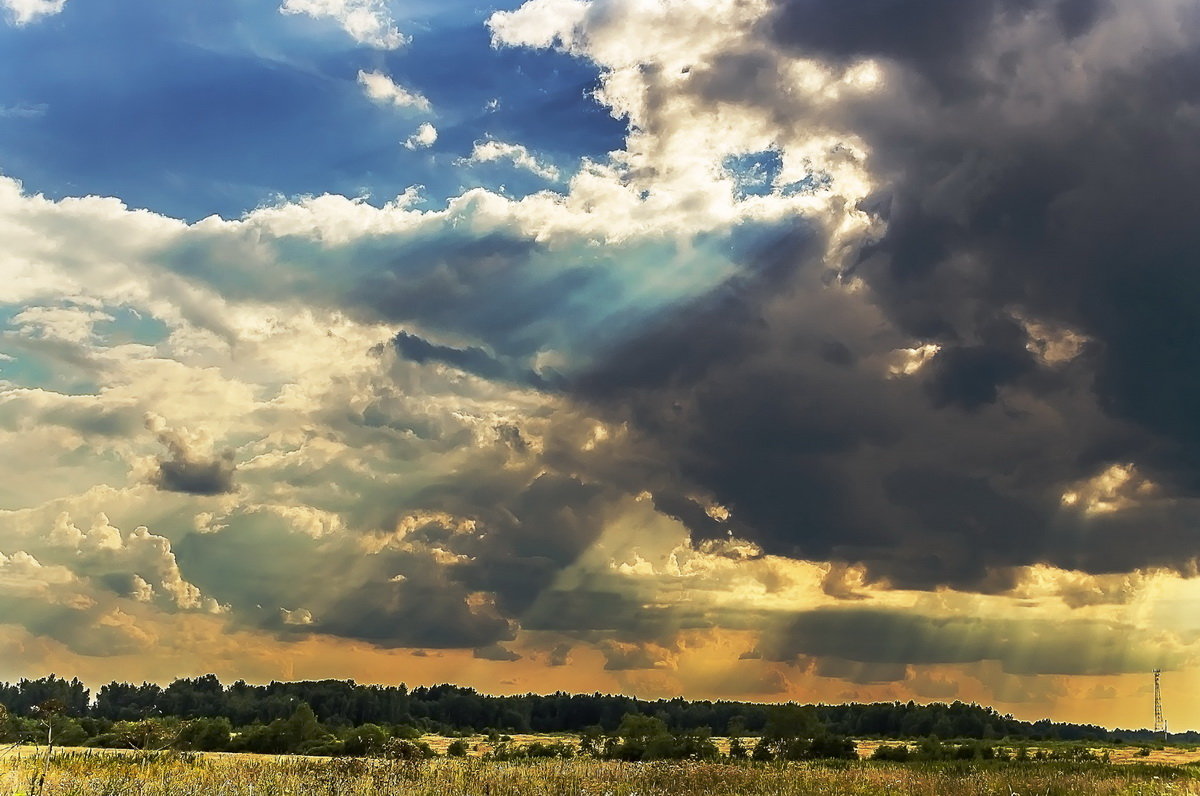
(88,587)
(541,23)
(779,394)
(367,21)
(862,350)
(560,655)
(490,151)
(470,360)
(496,652)
(619,657)
(380,88)
(22,12)
(23,110)
(890,640)
(192,467)
(425,137)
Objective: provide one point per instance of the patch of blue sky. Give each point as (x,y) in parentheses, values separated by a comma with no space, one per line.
(813,182)
(589,300)
(219,107)
(130,326)
(754,173)
(32,364)
(758,173)
(40,361)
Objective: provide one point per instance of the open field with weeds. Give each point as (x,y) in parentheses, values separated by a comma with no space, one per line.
(29,772)
(1118,754)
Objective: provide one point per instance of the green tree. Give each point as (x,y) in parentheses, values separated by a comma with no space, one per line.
(788,734)
(590,740)
(366,740)
(205,735)
(303,726)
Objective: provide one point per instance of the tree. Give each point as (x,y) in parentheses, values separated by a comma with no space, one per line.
(369,739)
(303,726)
(787,735)
(642,738)
(589,740)
(205,735)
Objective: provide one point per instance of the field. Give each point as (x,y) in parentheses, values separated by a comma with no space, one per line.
(26,771)
(1124,754)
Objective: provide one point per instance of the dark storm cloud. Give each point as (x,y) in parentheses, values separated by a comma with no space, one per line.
(932,34)
(98,420)
(628,657)
(846,639)
(560,655)
(421,589)
(584,610)
(188,470)
(393,598)
(470,359)
(82,628)
(209,476)
(84,632)
(935,37)
(457,284)
(417,612)
(530,532)
(496,652)
(971,376)
(1010,194)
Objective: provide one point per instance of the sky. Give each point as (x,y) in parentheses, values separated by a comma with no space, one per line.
(746,349)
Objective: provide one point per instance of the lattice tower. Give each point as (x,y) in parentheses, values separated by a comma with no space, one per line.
(1159,724)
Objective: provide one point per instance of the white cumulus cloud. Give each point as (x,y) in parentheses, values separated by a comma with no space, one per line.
(423,138)
(491,150)
(368,21)
(539,23)
(381,89)
(22,12)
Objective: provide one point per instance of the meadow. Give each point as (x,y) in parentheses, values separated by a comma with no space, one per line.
(28,771)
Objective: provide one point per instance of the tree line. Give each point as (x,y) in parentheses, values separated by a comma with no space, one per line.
(245,713)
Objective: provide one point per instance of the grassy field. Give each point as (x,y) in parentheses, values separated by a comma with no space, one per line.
(26,772)
(1119,754)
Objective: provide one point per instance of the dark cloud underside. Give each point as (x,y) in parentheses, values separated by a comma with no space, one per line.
(772,397)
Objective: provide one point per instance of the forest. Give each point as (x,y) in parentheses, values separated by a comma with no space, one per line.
(344,717)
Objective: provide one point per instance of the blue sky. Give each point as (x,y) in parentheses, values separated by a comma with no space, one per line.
(226,105)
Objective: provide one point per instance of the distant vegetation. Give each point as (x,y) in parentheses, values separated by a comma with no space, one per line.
(333,717)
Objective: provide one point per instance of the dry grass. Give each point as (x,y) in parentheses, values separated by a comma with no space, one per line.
(105,774)
(1127,754)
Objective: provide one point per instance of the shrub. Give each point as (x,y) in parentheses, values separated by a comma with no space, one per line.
(403,749)
(896,754)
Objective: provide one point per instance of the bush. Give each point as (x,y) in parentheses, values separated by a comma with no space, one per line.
(895,754)
(832,747)
(532,751)
(204,735)
(647,738)
(369,739)
(403,749)
(322,747)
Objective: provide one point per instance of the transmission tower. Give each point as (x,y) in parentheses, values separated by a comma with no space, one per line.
(1160,725)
